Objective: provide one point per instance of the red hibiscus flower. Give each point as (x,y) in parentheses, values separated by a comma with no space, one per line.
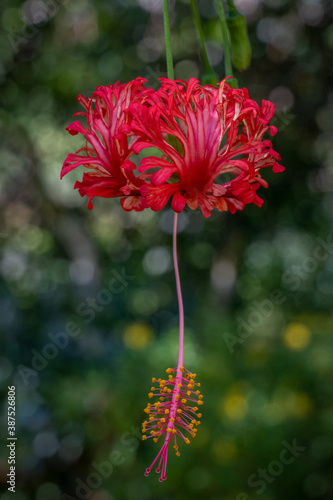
(107,151)
(212,145)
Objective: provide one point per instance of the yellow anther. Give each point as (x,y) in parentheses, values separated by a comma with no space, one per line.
(187,375)
(198,384)
(152,388)
(172,420)
(200,402)
(153,380)
(190,386)
(198,422)
(181,368)
(195,408)
(144,437)
(188,393)
(169,429)
(187,441)
(150,395)
(201,396)
(169,390)
(152,433)
(163,420)
(157,404)
(175,447)
(161,399)
(199,415)
(177,453)
(168,370)
(179,386)
(194,375)
(155,439)
(197,392)
(193,434)
(166,411)
(174,431)
(177,398)
(184,401)
(170,377)
(191,381)
(191,426)
(151,418)
(179,410)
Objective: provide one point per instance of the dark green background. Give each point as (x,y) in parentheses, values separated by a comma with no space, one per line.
(272,386)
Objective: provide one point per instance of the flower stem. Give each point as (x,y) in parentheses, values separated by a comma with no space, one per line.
(232,11)
(227,58)
(167,36)
(179,294)
(198,25)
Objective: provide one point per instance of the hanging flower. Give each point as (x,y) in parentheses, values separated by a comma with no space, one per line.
(205,135)
(108,150)
(173,414)
(212,148)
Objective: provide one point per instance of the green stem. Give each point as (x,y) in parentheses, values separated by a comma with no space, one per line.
(198,25)
(227,58)
(232,11)
(167,35)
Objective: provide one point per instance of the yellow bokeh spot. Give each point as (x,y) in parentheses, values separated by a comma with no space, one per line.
(225,452)
(296,336)
(303,405)
(235,406)
(137,336)
(293,404)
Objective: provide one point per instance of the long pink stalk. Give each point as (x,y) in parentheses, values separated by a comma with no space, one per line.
(175,410)
(179,295)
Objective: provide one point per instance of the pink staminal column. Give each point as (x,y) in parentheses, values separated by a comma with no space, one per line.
(174,412)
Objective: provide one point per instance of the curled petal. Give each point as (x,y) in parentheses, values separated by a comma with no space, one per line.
(162,175)
(132,203)
(278,168)
(178,202)
(73,160)
(107,152)
(157,197)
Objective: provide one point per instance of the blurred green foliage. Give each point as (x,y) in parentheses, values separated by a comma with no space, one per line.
(257,285)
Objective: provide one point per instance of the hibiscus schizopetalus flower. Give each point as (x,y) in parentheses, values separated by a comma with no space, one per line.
(173,414)
(212,148)
(204,133)
(108,150)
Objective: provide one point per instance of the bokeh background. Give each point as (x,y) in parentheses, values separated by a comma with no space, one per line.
(257,285)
